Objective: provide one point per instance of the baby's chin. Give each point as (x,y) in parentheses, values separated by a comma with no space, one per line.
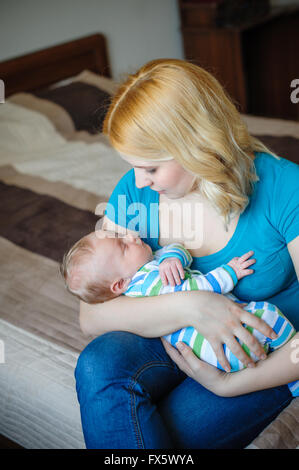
(146,256)
(148,252)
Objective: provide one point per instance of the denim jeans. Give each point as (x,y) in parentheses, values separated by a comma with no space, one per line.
(133,396)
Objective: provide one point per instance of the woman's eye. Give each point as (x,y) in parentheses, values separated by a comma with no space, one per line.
(153,170)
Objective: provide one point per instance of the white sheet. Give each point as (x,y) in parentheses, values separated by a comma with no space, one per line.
(29,141)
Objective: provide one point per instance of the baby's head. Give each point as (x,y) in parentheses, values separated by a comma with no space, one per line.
(101,265)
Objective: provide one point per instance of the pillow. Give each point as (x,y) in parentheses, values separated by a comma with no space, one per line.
(86,104)
(76,109)
(104,83)
(61,120)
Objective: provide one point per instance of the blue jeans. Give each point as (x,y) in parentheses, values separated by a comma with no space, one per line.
(133,396)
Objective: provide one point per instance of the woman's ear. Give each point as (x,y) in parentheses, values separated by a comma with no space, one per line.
(120,286)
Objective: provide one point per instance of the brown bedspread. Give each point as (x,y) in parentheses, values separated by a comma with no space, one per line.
(35,230)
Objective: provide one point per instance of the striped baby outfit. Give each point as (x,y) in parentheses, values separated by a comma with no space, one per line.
(222,280)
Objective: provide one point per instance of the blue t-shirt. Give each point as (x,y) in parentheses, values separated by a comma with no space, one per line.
(268,224)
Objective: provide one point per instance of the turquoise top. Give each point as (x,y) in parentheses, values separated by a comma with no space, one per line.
(269,222)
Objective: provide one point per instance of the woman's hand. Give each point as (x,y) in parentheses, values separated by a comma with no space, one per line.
(209,376)
(220,321)
(280,367)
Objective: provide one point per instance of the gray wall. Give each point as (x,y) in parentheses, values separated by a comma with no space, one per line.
(136,30)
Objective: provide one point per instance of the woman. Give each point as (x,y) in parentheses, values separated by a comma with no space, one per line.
(175,125)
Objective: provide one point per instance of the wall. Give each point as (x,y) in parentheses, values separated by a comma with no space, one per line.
(136,30)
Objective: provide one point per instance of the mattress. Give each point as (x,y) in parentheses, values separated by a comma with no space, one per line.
(51,183)
(39,408)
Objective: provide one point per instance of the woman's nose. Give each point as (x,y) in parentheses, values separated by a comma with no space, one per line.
(141,179)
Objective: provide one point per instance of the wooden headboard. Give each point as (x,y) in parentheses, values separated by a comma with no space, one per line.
(42,68)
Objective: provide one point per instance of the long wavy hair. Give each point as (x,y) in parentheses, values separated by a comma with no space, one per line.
(173,109)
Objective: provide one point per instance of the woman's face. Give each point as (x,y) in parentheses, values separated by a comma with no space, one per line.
(167,177)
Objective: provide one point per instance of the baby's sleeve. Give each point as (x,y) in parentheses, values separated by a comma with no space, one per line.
(286,202)
(218,280)
(175,250)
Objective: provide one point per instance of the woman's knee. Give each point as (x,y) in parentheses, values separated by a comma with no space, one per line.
(116,354)
(125,362)
(101,353)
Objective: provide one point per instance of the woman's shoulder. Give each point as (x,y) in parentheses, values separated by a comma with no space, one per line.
(268,165)
(275,174)
(276,194)
(275,171)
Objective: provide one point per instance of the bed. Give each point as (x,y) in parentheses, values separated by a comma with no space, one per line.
(55,168)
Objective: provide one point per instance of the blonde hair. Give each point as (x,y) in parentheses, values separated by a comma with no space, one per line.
(91,287)
(171,108)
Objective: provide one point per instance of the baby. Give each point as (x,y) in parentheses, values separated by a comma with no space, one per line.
(104,265)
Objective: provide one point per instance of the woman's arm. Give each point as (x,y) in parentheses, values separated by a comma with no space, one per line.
(150,317)
(215,316)
(280,367)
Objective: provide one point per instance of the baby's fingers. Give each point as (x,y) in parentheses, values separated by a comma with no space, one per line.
(169,277)
(246,272)
(176,275)
(171,272)
(246,256)
(181,269)
(163,278)
(248,263)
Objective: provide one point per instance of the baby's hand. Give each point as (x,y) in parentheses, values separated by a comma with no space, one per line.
(241,264)
(171,271)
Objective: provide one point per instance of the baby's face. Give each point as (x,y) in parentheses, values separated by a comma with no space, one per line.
(120,255)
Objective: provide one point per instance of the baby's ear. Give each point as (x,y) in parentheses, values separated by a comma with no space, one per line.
(120,286)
